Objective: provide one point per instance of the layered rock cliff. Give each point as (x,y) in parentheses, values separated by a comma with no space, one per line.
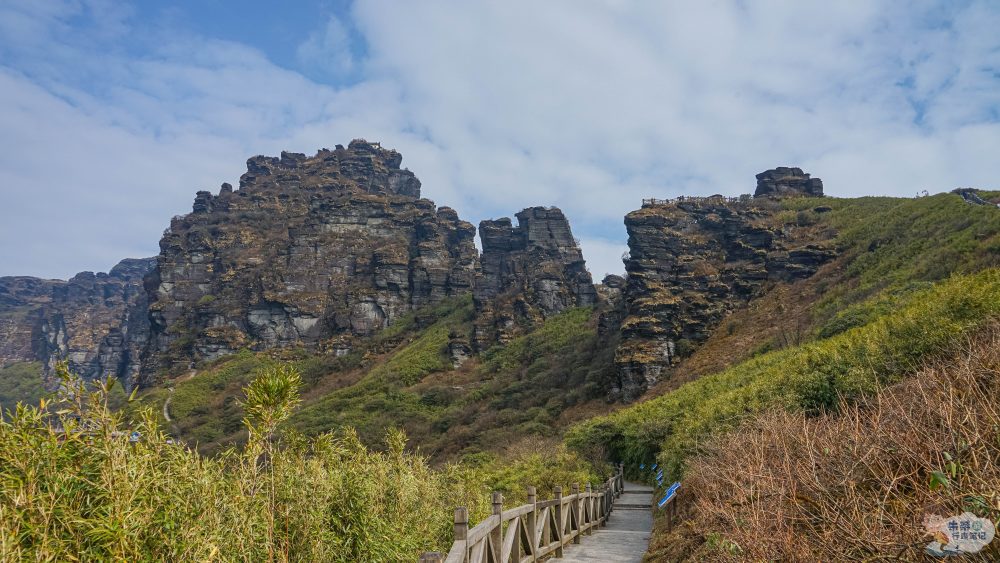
(98,323)
(310,250)
(527,273)
(692,261)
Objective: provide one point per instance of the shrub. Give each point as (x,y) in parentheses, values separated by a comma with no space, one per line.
(854,485)
(74,487)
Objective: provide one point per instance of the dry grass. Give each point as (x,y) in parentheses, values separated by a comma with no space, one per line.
(857,485)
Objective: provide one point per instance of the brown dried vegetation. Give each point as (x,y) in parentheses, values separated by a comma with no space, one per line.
(856,485)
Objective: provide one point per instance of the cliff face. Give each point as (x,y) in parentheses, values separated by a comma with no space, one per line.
(96,322)
(310,250)
(527,273)
(691,261)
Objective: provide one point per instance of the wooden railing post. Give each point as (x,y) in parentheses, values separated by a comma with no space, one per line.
(496,535)
(531,523)
(588,511)
(431,557)
(674,508)
(575,507)
(604,506)
(609,501)
(462,529)
(559,520)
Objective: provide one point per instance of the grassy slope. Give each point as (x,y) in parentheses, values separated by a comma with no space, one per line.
(403,378)
(892,252)
(864,475)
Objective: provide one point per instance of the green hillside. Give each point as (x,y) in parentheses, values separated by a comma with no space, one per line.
(403,378)
(915,281)
(812,377)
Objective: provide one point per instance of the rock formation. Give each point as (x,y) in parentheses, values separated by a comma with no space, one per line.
(690,263)
(317,251)
(970,195)
(785,181)
(98,323)
(309,250)
(611,299)
(527,273)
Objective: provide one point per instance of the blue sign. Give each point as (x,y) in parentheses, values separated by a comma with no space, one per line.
(654,466)
(669,495)
(642,466)
(660,475)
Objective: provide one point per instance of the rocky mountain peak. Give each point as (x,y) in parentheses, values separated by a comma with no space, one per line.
(310,251)
(785,181)
(362,167)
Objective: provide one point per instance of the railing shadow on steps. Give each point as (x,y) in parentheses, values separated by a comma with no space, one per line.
(534,530)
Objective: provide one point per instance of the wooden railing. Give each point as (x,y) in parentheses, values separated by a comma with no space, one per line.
(534,530)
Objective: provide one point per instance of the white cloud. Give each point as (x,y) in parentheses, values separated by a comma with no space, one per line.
(329,49)
(496,107)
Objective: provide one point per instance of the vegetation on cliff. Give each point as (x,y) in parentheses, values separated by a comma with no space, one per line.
(21,381)
(404,378)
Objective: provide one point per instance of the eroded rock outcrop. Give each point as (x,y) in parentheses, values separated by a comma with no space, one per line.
(98,323)
(691,261)
(970,195)
(786,181)
(309,250)
(527,273)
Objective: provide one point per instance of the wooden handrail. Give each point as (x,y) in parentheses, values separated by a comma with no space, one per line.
(534,530)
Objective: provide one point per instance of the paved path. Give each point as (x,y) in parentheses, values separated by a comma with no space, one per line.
(626,536)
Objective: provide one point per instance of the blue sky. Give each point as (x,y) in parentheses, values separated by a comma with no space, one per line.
(115,113)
